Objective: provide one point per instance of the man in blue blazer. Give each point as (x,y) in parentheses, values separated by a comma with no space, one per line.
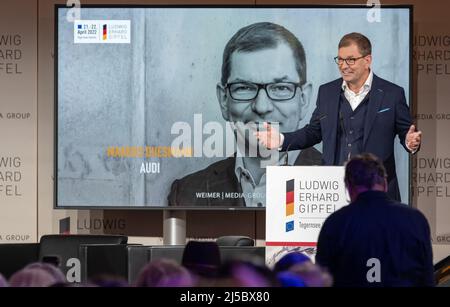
(357,113)
(375,241)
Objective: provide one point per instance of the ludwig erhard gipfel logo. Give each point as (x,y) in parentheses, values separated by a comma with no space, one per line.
(290,205)
(105,31)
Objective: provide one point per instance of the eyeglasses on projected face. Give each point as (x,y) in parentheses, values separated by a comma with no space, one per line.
(247,91)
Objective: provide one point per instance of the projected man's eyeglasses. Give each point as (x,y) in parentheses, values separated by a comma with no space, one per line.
(246,91)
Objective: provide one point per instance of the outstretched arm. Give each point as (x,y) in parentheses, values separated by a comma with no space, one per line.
(409,137)
(303,138)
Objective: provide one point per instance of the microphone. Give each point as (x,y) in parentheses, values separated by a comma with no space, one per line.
(341,122)
(287,155)
(316,120)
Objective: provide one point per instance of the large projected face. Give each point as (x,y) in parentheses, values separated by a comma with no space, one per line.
(264,86)
(136,83)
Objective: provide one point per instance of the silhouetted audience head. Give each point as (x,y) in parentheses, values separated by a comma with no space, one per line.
(74,285)
(32,277)
(295,269)
(202,258)
(290,279)
(109,281)
(363,173)
(289,260)
(312,274)
(164,273)
(3,282)
(245,273)
(56,273)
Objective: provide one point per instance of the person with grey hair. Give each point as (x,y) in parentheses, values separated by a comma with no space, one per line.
(263,79)
(37,274)
(3,282)
(32,277)
(164,273)
(375,241)
(49,268)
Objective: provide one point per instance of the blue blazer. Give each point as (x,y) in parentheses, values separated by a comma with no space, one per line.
(387,116)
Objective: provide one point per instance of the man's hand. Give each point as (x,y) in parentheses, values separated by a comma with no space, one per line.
(270,138)
(413,138)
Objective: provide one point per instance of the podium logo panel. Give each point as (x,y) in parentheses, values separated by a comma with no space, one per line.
(290,184)
(299,199)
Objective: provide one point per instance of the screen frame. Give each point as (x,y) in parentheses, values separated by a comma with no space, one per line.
(410,91)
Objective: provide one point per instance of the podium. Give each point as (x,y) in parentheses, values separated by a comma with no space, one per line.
(298,200)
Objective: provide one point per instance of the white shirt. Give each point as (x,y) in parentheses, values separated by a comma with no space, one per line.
(356,98)
(255,194)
